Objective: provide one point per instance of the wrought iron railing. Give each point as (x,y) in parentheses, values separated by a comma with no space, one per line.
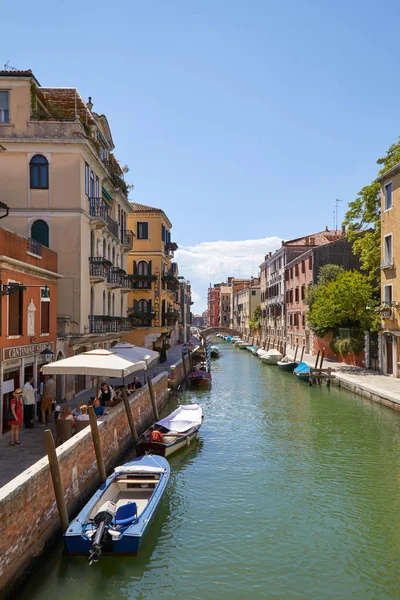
(127,237)
(112,226)
(98,208)
(108,324)
(97,266)
(114,276)
(35,247)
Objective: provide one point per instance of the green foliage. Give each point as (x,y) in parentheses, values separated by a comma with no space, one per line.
(255,321)
(326,274)
(363,218)
(33,98)
(348,345)
(348,300)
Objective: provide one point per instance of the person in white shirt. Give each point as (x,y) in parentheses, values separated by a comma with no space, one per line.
(84,414)
(29,400)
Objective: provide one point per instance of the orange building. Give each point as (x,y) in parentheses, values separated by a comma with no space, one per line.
(28,312)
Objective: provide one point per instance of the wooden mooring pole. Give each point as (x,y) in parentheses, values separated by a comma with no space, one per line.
(316,362)
(97,444)
(56,478)
(131,422)
(191,362)
(153,398)
(184,367)
(295,353)
(302,354)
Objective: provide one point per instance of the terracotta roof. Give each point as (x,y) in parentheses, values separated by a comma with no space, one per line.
(18,73)
(143,208)
(316,239)
(64,101)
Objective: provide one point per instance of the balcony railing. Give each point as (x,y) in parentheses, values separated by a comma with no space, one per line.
(99,209)
(127,238)
(114,276)
(98,266)
(387,263)
(34,247)
(126,282)
(141,314)
(112,226)
(108,324)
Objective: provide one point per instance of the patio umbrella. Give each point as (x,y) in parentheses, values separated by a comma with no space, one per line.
(132,352)
(102,363)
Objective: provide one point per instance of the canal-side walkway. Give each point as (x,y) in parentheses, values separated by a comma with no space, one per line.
(14,460)
(370,384)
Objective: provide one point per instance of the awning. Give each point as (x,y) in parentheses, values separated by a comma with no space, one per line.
(107,195)
(95,362)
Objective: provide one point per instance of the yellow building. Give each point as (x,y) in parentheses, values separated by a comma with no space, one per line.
(153,305)
(390,259)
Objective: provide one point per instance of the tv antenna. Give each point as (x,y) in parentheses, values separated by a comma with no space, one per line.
(336,213)
(8,68)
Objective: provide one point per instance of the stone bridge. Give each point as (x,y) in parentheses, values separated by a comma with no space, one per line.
(213,330)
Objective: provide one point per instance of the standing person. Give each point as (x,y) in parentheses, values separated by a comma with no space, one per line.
(105,394)
(28,398)
(49,394)
(16,412)
(136,383)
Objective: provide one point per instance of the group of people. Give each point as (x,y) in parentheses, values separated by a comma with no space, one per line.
(23,403)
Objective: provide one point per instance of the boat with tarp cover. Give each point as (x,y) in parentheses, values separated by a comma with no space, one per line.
(178,430)
(199,378)
(118,516)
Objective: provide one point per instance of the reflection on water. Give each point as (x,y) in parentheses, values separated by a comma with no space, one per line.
(292,492)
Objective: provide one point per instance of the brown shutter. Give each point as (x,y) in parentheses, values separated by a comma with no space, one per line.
(15,313)
(45,317)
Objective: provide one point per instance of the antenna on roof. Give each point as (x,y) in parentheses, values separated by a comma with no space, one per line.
(8,68)
(336,212)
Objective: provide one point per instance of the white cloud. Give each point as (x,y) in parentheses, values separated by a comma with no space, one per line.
(213,262)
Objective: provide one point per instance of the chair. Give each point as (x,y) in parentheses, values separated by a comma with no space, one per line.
(126,514)
(79,425)
(64,430)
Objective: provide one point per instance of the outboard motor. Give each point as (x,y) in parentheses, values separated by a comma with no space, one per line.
(102,520)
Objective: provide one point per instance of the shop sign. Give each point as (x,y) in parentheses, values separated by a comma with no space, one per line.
(8,386)
(157,295)
(28,350)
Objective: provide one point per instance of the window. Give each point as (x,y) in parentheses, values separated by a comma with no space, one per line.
(40,232)
(97,187)
(387,293)
(296,270)
(15,311)
(303,292)
(291,273)
(296,294)
(143,231)
(388,250)
(388,195)
(253,292)
(303,320)
(39,173)
(310,263)
(4,107)
(303,266)
(92,187)
(45,317)
(86,179)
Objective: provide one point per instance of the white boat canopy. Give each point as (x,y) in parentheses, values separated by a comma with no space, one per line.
(183,418)
(102,363)
(138,469)
(132,352)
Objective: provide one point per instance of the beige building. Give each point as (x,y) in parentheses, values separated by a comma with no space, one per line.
(246,301)
(390,281)
(225,301)
(66,190)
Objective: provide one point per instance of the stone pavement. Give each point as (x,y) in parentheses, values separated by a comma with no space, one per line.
(15,459)
(362,381)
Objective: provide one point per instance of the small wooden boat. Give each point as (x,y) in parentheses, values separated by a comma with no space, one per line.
(179,429)
(199,378)
(118,516)
(271,357)
(302,371)
(214,352)
(287,364)
(241,344)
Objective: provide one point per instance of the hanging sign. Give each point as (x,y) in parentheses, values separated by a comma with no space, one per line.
(157,296)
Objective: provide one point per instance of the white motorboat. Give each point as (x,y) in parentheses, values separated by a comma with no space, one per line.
(271,357)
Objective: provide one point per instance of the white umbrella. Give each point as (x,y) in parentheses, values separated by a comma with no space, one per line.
(102,363)
(132,352)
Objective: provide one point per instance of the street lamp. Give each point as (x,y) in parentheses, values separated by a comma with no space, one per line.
(47,354)
(4,207)
(8,289)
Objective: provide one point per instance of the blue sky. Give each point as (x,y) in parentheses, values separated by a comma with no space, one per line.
(242,120)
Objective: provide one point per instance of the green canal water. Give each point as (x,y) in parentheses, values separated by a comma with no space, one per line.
(292,492)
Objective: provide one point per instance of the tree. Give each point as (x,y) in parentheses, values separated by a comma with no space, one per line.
(326,274)
(363,219)
(255,321)
(347,301)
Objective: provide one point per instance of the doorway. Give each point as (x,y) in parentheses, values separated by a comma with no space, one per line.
(389,355)
(13,378)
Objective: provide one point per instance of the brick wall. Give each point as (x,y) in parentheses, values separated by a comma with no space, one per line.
(28,508)
(177,373)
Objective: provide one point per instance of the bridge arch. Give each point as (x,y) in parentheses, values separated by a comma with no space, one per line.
(213,330)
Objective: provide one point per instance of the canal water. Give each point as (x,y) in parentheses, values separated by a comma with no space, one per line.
(292,492)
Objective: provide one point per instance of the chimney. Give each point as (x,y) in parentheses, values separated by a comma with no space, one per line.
(326,228)
(343,229)
(89,104)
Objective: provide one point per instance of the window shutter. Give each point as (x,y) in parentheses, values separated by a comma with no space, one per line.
(15,301)
(45,317)
(149,306)
(149,268)
(135,305)
(134,267)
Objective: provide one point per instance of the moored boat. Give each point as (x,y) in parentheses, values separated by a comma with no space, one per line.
(118,516)
(271,357)
(199,378)
(178,430)
(302,371)
(214,352)
(287,364)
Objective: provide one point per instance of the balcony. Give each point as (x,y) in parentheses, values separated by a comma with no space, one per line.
(35,247)
(171,280)
(98,212)
(127,239)
(108,324)
(114,277)
(170,315)
(112,226)
(171,247)
(141,314)
(126,283)
(98,269)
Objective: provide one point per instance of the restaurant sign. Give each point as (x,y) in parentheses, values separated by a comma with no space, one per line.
(28,350)
(157,295)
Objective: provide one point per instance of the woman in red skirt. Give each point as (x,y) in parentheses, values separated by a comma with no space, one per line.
(16,411)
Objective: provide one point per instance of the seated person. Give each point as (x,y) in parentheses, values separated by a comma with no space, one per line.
(156,436)
(66,414)
(77,410)
(136,383)
(83,416)
(98,408)
(130,389)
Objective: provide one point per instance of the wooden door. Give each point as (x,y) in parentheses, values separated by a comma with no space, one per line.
(389,355)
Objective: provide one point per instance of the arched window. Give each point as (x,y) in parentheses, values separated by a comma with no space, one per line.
(142,306)
(109,253)
(104,249)
(113,255)
(92,300)
(143,267)
(92,184)
(40,232)
(92,243)
(104,302)
(113,305)
(39,172)
(122,306)
(109,304)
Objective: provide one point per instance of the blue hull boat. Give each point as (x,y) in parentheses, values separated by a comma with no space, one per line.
(302,371)
(118,516)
